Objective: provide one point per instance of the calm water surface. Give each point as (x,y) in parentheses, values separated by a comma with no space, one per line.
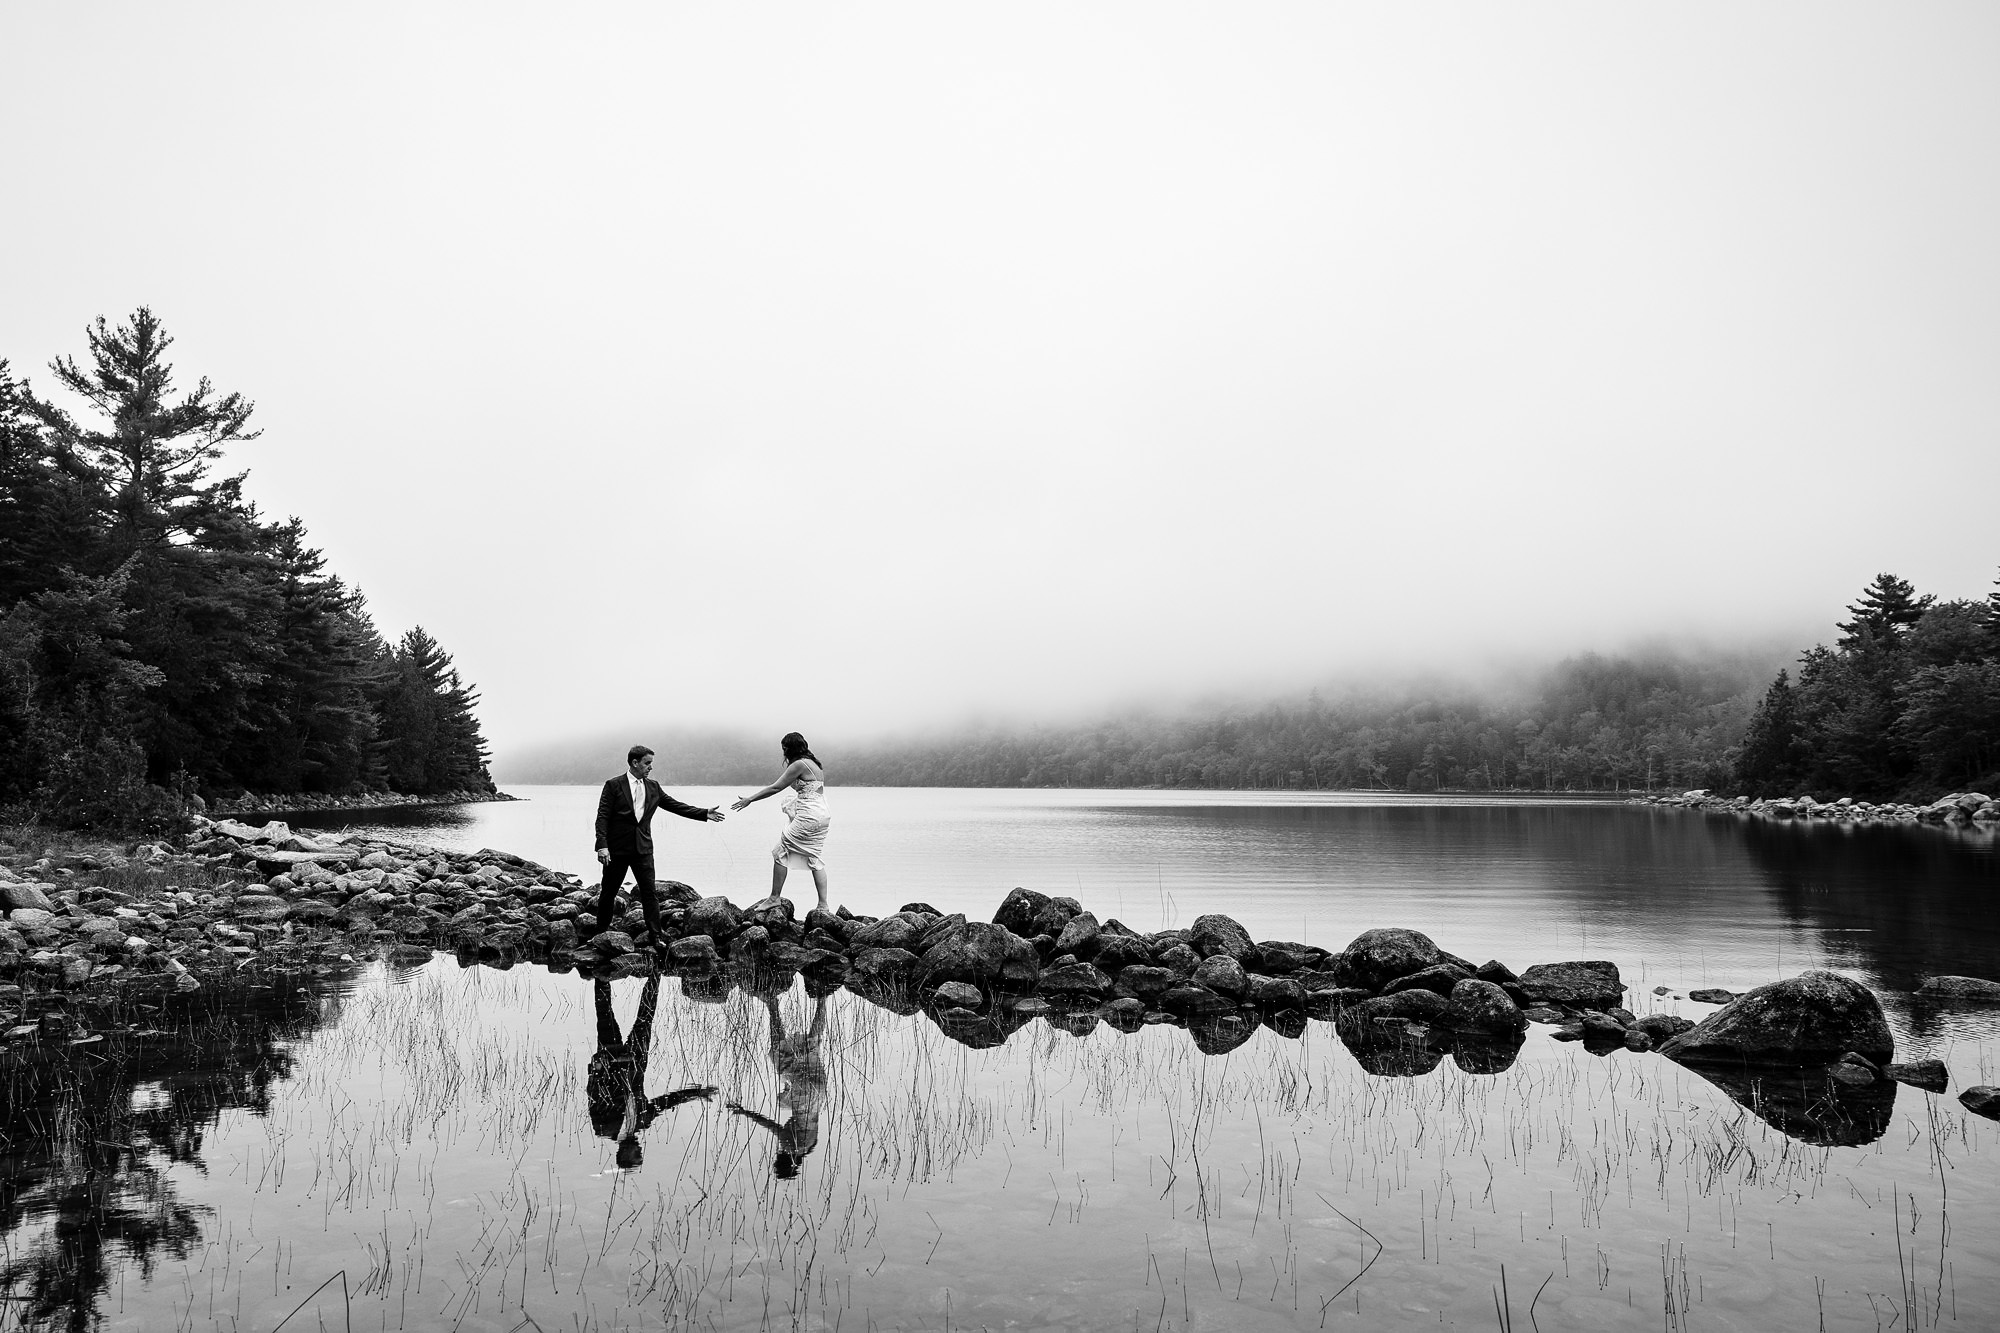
(414,1148)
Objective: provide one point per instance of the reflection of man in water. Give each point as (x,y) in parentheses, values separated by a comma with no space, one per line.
(801,1089)
(616,1087)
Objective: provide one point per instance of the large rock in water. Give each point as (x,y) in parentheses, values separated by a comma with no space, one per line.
(1217,934)
(1585,985)
(1378,957)
(1482,1007)
(1812,1018)
(984,954)
(1018,910)
(1960,988)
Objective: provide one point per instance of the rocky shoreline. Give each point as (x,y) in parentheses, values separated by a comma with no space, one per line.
(304,802)
(88,936)
(1957,808)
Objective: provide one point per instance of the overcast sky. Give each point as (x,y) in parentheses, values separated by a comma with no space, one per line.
(844,367)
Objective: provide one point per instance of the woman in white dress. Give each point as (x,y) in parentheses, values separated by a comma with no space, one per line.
(806,815)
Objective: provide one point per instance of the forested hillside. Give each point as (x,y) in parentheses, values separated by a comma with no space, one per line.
(158,636)
(1904,706)
(1591,723)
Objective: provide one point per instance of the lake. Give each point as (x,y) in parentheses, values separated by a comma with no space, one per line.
(421,1147)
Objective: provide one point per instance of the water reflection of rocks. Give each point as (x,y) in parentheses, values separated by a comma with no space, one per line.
(90,1134)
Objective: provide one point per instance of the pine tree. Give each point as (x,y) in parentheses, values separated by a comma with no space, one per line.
(1886,608)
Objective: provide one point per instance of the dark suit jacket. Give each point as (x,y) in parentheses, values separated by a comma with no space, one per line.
(625,832)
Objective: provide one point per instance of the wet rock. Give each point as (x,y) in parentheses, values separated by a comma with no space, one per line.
(562,936)
(1960,988)
(1378,957)
(1114,953)
(609,942)
(1079,936)
(1495,971)
(1591,984)
(1982,1100)
(1076,981)
(717,918)
(1930,1075)
(984,954)
(692,952)
(1222,974)
(1284,958)
(1662,1026)
(1033,1006)
(1441,977)
(1145,981)
(960,994)
(1018,910)
(1215,934)
(1711,995)
(1542,1013)
(1482,1007)
(891,932)
(750,942)
(773,914)
(1637,1040)
(1274,995)
(1804,1020)
(882,967)
(1179,958)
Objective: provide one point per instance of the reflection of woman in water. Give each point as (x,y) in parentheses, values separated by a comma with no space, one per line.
(616,1087)
(801,1089)
(806,815)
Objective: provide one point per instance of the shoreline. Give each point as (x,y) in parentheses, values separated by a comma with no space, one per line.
(93,933)
(304,803)
(1961,809)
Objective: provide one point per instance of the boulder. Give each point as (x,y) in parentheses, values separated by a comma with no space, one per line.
(1327,1002)
(883,967)
(1217,934)
(1221,974)
(1076,981)
(717,918)
(1079,936)
(1960,988)
(1413,1006)
(15,896)
(1146,982)
(1982,1100)
(891,932)
(1283,958)
(1481,1006)
(695,952)
(1930,1075)
(774,914)
(1662,1026)
(1378,957)
(984,954)
(1179,959)
(1711,995)
(1809,1019)
(1117,952)
(1441,977)
(1018,910)
(1592,984)
(1273,995)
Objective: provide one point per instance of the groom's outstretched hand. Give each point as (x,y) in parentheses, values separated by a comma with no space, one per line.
(716,816)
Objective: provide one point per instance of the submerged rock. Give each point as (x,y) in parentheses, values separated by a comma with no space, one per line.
(1930,1075)
(1982,1100)
(1960,988)
(1810,1019)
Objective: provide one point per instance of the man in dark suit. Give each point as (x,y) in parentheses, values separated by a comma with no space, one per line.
(625,837)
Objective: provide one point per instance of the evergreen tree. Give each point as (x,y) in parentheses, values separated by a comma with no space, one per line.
(430,735)
(1886,608)
(1771,762)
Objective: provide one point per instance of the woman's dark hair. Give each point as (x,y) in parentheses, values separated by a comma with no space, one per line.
(795,747)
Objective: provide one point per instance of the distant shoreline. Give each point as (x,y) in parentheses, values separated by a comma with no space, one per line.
(307,803)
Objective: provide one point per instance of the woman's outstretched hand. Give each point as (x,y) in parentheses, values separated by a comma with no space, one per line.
(741,803)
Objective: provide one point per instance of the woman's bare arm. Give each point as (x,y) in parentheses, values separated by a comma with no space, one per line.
(785,779)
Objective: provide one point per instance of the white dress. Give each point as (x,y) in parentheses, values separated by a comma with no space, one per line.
(806,823)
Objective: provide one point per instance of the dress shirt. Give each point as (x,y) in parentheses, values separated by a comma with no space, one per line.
(638,786)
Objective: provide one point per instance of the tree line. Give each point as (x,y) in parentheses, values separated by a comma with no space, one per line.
(1591,723)
(1904,706)
(160,638)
